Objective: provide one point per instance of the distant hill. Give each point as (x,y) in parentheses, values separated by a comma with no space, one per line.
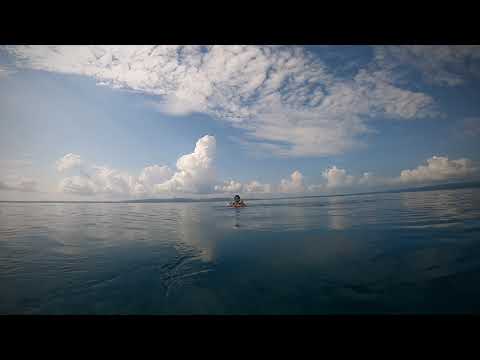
(450,186)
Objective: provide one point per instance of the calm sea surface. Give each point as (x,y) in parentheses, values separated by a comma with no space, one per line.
(415,252)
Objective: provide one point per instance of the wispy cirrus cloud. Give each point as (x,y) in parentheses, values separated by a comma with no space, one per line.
(444,65)
(287,101)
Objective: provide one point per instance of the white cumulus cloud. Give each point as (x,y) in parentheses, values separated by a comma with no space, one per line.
(368,179)
(69,161)
(337,177)
(438,168)
(98,180)
(150,176)
(111,181)
(78,185)
(251,187)
(294,185)
(230,186)
(195,172)
(257,187)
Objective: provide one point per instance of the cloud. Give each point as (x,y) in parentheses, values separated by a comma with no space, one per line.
(69,161)
(368,179)
(438,168)
(444,65)
(337,178)
(230,186)
(257,187)
(252,187)
(98,180)
(78,185)
(282,97)
(4,71)
(94,179)
(111,181)
(19,184)
(195,174)
(26,184)
(16,175)
(294,185)
(150,176)
(316,187)
(391,101)
(340,179)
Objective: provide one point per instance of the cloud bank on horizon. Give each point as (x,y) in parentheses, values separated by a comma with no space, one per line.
(195,174)
(19,184)
(12,179)
(285,102)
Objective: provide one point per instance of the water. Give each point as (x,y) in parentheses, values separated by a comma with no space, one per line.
(384,253)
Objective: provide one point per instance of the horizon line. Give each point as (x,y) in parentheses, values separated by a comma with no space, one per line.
(454,185)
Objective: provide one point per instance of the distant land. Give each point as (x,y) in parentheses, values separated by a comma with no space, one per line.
(448,186)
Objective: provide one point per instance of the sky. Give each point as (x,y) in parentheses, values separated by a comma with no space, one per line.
(132,122)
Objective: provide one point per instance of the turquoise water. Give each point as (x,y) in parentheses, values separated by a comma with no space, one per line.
(413,252)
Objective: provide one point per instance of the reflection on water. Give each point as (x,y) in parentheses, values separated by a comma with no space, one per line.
(237,219)
(407,252)
(444,208)
(194,234)
(338,214)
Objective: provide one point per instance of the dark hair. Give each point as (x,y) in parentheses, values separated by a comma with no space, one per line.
(237,197)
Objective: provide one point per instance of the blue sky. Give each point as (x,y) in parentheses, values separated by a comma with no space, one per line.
(112,122)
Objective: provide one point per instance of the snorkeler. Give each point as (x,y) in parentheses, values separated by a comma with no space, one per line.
(237,202)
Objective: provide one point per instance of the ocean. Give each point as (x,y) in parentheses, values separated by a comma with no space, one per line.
(390,253)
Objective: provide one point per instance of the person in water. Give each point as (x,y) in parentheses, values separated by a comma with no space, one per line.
(237,201)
